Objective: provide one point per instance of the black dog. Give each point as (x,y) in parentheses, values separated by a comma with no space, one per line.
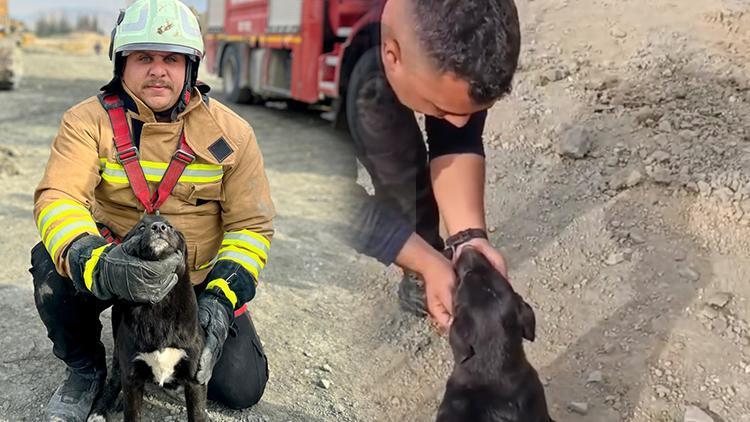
(160,343)
(491,379)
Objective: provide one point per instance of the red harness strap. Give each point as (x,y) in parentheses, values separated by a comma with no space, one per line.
(108,235)
(127,156)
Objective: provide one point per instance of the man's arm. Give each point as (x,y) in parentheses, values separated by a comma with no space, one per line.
(247,217)
(458,183)
(457,167)
(64,196)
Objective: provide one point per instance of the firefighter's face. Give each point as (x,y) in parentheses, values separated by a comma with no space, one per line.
(417,82)
(155,77)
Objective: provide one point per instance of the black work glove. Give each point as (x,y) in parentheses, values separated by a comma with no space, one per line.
(215,316)
(111,271)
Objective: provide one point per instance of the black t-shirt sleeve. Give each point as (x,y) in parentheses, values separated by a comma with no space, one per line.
(443,138)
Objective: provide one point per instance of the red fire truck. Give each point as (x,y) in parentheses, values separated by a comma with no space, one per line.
(301,51)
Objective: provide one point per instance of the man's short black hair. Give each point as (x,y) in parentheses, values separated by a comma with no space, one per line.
(478,40)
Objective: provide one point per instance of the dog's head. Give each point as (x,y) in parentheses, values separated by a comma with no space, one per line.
(155,238)
(486,309)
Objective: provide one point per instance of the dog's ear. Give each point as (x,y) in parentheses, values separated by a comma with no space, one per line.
(526,320)
(462,338)
(183,244)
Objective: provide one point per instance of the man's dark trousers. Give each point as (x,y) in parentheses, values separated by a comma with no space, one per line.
(72,321)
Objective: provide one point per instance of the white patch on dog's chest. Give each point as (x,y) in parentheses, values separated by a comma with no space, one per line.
(162,363)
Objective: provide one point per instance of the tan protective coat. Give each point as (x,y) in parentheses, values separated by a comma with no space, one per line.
(83,168)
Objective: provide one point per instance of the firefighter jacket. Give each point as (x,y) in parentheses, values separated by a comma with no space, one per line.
(221,202)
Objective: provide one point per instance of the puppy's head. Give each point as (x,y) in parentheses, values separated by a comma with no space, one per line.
(486,309)
(156,238)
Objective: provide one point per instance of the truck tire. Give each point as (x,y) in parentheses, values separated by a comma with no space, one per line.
(230,77)
(363,82)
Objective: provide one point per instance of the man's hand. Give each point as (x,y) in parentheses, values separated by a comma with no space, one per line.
(485,248)
(440,283)
(111,271)
(438,275)
(215,315)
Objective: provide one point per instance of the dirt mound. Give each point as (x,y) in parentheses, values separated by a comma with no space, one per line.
(8,162)
(11,67)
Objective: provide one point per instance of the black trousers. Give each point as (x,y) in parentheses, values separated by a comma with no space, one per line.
(72,320)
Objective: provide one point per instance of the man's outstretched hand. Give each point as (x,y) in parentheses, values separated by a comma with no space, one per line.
(439,274)
(440,284)
(441,280)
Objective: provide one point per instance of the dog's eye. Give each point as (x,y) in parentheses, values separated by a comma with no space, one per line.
(141,228)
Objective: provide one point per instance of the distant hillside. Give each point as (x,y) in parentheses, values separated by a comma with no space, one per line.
(106,18)
(104,10)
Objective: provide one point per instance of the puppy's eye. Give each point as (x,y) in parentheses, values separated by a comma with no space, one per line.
(141,228)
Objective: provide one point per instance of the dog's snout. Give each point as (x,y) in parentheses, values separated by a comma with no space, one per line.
(160,227)
(469,260)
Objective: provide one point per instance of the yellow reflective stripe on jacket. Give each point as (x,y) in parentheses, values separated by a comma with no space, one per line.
(247,259)
(224,286)
(57,211)
(53,206)
(250,244)
(61,221)
(88,269)
(154,171)
(71,228)
(251,241)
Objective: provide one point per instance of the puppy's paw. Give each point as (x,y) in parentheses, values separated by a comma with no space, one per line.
(96,417)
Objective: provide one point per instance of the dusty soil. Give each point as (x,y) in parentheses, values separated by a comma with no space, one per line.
(634,256)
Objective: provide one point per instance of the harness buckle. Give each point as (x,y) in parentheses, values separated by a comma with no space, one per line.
(127,155)
(184,156)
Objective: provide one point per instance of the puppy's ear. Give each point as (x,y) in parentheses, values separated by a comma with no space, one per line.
(183,244)
(526,320)
(462,338)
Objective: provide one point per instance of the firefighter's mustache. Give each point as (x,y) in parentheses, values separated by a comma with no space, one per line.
(154,84)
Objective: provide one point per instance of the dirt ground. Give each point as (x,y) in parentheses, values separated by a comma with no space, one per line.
(634,255)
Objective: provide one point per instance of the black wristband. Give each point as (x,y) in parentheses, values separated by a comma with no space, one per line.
(453,242)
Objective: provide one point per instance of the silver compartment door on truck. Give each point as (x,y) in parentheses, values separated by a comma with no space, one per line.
(215,18)
(284,16)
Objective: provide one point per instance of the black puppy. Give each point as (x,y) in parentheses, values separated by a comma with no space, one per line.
(491,379)
(158,343)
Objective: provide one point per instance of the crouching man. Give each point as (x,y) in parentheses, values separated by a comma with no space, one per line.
(152,141)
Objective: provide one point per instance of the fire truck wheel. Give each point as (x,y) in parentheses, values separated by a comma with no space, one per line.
(364,85)
(230,65)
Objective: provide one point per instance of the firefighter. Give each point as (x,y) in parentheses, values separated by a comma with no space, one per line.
(451,61)
(176,152)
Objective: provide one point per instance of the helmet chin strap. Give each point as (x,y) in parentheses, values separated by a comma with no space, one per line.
(187,88)
(184,97)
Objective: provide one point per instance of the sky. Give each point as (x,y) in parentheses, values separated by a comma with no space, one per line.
(34,6)
(107,10)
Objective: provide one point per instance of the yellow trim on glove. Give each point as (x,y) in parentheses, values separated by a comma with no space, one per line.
(88,269)
(224,286)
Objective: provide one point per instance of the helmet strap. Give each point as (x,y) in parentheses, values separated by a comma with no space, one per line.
(187,88)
